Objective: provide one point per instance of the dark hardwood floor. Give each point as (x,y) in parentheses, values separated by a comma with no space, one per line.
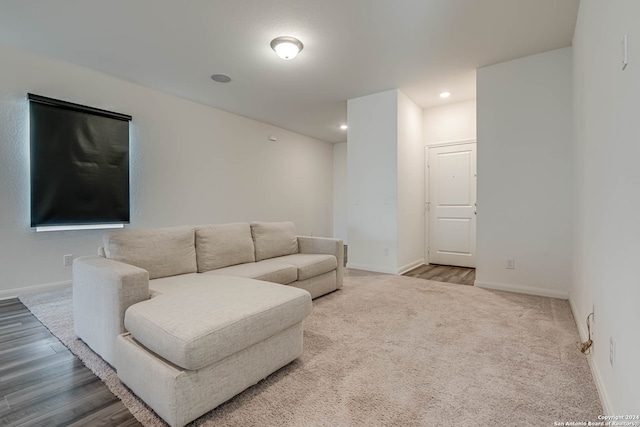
(444,273)
(43,384)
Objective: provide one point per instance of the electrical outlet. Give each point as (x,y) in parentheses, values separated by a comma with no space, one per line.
(612,351)
(67,260)
(511,264)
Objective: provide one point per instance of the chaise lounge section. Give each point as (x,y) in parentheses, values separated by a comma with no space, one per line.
(188,352)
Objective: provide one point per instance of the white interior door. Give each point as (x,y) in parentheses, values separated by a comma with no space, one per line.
(452,205)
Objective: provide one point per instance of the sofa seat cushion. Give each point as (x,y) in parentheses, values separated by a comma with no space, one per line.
(161,251)
(217,316)
(271,272)
(308,265)
(223,245)
(272,239)
(165,285)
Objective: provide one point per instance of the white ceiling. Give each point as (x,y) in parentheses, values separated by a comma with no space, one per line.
(352,48)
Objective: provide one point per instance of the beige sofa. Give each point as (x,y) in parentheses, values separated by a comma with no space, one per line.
(191,316)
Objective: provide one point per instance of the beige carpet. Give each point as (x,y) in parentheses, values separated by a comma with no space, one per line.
(398,351)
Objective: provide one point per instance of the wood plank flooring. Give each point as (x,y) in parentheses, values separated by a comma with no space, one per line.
(444,273)
(43,384)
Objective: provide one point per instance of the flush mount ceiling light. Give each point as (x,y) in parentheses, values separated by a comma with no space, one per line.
(344,127)
(445,95)
(286,47)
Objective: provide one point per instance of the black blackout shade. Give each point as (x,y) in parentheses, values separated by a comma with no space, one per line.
(79,164)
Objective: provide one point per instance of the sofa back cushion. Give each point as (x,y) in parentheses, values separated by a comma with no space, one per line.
(161,251)
(273,239)
(223,245)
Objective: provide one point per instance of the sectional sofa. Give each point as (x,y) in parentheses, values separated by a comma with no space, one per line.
(191,316)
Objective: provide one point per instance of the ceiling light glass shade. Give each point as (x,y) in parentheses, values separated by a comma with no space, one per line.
(287,50)
(445,95)
(286,47)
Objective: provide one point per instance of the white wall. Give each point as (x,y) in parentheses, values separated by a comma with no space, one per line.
(450,122)
(340,199)
(373,182)
(525,191)
(607,234)
(190,164)
(385,183)
(411,220)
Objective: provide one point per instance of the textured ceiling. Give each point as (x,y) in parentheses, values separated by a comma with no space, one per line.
(352,48)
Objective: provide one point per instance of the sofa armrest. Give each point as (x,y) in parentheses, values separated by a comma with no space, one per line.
(324,245)
(103,289)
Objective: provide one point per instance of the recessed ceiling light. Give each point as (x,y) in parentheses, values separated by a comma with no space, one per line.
(344,127)
(221,78)
(286,47)
(445,95)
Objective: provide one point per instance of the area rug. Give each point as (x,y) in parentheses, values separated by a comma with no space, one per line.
(397,351)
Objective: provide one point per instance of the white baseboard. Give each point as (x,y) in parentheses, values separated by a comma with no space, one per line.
(522,289)
(374,268)
(410,266)
(595,372)
(13,293)
(379,269)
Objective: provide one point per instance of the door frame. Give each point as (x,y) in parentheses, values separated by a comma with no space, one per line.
(427,195)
